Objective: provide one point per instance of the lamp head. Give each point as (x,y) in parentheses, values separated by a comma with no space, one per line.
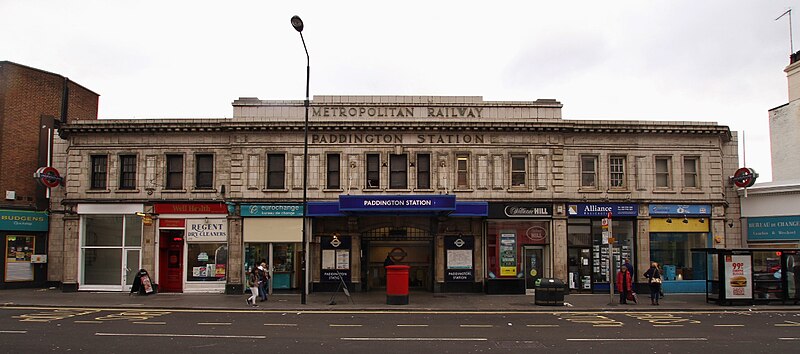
(297,23)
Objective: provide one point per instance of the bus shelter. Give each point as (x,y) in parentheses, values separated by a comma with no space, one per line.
(752,275)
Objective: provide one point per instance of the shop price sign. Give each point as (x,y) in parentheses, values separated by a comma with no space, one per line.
(508,254)
(738,277)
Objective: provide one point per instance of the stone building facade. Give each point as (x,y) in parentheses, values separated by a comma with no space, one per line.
(472,195)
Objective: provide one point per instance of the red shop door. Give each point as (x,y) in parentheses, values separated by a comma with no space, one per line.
(171,261)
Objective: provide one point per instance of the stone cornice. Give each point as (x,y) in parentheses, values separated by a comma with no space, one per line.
(510,125)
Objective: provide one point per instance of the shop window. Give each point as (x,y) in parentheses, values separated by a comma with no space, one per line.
(663,172)
(174,172)
(673,252)
(462,171)
(206,261)
(333,172)
(584,234)
(99,171)
(373,171)
(690,167)
(589,171)
(616,167)
(276,171)
(398,171)
(127,172)
(518,171)
(104,241)
(423,171)
(204,171)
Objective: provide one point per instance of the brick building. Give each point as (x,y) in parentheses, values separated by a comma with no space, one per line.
(473,195)
(33,103)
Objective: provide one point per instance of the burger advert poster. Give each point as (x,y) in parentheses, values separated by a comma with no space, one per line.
(739,276)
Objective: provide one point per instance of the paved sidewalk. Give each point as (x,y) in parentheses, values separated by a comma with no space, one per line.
(369,301)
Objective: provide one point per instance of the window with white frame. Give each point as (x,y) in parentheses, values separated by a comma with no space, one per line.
(589,171)
(518,171)
(663,172)
(617,173)
(690,167)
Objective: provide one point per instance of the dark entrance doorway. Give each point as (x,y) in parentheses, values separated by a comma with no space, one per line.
(170,261)
(404,246)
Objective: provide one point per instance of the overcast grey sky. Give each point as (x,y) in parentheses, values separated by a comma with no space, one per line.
(698,60)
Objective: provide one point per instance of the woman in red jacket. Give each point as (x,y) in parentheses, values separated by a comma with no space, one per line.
(624,284)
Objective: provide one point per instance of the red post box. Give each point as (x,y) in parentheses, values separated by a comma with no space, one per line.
(397,285)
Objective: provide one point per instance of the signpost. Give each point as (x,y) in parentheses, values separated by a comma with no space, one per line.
(608,237)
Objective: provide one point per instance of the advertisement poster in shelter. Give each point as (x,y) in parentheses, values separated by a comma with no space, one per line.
(738,277)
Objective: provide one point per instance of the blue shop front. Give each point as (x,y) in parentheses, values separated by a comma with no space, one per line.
(24,244)
(438,237)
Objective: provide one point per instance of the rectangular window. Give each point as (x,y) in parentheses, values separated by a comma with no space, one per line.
(518,171)
(334,172)
(99,171)
(589,171)
(373,171)
(423,171)
(204,176)
(462,171)
(174,171)
(663,177)
(398,171)
(616,167)
(127,172)
(690,172)
(276,171)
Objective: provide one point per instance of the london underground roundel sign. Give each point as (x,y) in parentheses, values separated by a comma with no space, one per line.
(744,177)
(48,177)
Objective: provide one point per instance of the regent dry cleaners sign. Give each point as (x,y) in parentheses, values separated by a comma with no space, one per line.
(206,230)
(398,112)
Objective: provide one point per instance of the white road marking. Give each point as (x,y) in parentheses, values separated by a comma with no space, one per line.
(788,338)
(214,323)
(345,325)
(789,324)
(281,324)
(412,325)
(14,332)
(384,339)
(174,335)
(633,339)
(475,326)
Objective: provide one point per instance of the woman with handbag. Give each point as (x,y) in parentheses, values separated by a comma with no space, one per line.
(653,276)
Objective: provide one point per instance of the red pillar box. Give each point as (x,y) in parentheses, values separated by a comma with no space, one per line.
(397,285)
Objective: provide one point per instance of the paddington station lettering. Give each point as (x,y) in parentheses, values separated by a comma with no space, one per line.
(398,112)
(397,139)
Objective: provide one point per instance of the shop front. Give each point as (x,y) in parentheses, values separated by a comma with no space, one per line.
(587,245)
(192,247)
(675,229)
(518,248)
(775,245)
(24,244)
(110,251)
(357,236)
(273,234)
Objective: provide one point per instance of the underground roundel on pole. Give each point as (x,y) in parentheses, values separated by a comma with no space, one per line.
(48,177)
(744,177)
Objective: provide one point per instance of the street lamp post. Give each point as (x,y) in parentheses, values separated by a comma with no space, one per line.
(297,23)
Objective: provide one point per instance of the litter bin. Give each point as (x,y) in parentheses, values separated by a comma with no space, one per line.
(397,285)
(549,291)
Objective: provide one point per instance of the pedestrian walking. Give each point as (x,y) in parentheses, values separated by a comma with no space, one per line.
(653,276)
(263,280)
(624,285)
(388,261)
(252,283)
